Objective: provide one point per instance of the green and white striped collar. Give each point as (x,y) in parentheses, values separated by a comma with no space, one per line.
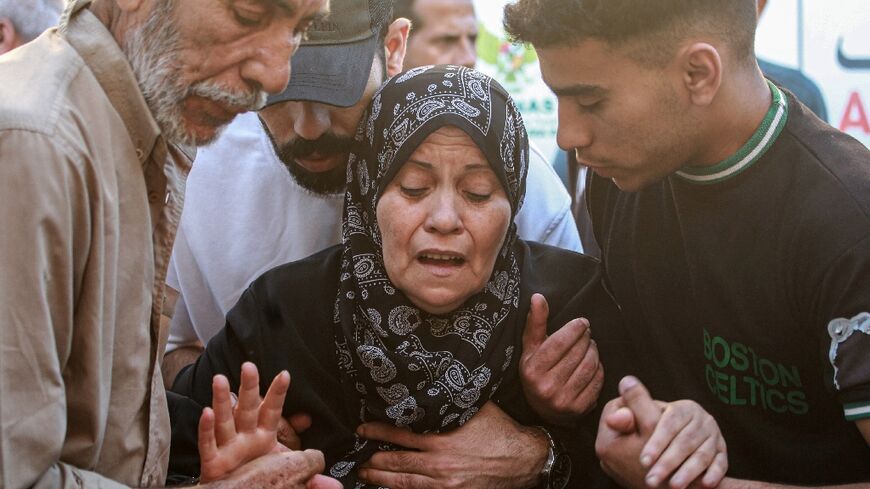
(764,137)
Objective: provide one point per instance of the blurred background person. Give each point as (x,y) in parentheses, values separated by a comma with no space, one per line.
(442,32)
(22,20)
(794,80)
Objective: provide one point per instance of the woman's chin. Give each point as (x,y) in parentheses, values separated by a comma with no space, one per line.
(439,301)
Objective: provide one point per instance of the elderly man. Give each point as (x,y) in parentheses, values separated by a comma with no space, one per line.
(22,20)
(735,232)
(94,119)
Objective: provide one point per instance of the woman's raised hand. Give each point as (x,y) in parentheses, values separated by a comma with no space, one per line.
(231,436)
(561,373)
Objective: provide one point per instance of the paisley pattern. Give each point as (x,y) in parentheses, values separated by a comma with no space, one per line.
(410,368)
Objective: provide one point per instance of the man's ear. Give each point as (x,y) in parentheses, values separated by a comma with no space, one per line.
(8,35)
(396,44)
(701,71)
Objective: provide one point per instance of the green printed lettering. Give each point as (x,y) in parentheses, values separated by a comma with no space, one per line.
(739,360)
(759,390)
(769,372)
(721,386)
(711,378)
(779,407)
(754,362)
(708,352)
(790,377)
(723,359)
(735,398)
(753,387)
(797,402)
(757,394)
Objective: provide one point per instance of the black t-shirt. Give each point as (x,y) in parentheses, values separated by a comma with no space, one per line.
(730,282)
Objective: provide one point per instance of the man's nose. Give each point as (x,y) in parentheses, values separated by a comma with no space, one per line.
(573,130)
(268,66)
(466,54)
(312,120)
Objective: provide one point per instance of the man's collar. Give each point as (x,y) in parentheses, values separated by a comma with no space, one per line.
(763,138)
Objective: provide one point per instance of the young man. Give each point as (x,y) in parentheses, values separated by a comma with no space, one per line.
(734,230)
(92,117)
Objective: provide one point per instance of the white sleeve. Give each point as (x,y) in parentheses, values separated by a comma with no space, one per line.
(181,329)
(546,213)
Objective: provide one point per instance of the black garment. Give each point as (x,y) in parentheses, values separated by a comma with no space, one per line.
(183,451)
(284,321)
(729,289)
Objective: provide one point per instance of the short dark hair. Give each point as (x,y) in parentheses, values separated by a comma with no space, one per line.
(405,8)
(658,24)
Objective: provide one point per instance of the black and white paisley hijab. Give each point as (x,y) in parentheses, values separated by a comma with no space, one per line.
(410,368)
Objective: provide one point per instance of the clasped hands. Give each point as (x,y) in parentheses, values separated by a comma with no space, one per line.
(641,442)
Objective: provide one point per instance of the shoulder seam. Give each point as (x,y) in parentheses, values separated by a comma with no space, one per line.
(827,169)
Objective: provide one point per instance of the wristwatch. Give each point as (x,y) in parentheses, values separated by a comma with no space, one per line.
(557,467)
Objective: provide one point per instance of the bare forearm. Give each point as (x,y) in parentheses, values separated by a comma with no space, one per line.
(176,360)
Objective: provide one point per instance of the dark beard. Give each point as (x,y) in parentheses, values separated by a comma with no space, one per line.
(327,182)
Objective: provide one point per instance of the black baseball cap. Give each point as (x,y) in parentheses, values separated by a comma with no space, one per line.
(333,64)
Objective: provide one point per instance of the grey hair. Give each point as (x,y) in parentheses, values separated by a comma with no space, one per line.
(31,17)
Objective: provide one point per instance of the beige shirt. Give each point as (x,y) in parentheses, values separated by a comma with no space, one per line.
(90,197)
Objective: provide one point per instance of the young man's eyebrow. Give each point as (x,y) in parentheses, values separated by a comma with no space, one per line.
(580,89)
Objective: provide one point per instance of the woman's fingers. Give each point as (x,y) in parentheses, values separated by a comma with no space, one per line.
(225,424)
(206,441)
(586,382)
(249,398)
(273,403)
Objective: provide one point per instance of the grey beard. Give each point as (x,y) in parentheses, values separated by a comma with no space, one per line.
(153,52)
